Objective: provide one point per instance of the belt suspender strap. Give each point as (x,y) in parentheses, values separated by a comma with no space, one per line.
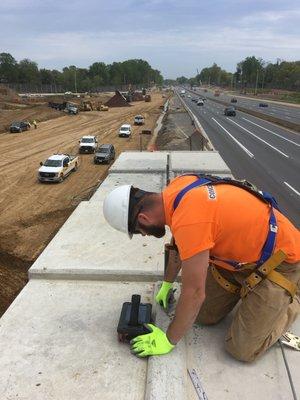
(230,287)
(266,270)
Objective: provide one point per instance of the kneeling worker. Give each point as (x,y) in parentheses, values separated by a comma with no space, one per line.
(233,243)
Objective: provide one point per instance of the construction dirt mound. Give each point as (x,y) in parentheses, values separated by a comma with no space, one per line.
(118,100)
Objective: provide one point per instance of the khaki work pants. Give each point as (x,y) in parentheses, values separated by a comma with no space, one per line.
(260,318)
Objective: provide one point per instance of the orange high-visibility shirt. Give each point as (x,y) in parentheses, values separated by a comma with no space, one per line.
(228,221)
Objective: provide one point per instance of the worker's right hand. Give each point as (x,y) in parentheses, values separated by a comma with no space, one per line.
(163,294)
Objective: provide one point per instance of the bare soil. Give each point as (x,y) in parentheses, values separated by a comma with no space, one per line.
(31,212)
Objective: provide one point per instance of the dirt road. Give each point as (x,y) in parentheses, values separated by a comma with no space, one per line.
(31,212)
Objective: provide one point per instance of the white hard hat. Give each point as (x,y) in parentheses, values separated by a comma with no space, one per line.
(116,208)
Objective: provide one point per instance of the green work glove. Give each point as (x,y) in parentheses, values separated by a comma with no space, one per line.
(151,344)
(164,293)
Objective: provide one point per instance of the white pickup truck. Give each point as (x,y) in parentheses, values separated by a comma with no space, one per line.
(57,167)
(88,144)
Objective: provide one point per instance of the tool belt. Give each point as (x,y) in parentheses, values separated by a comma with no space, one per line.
(265,271)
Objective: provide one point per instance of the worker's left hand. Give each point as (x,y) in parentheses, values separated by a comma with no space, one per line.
(151,344)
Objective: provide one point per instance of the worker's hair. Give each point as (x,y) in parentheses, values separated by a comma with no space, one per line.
(139,200)
(139,197)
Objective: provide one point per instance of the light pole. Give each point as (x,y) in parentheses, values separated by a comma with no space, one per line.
(75,79)
(256,82)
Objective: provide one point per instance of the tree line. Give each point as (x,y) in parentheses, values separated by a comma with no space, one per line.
(99,74)
(251,72)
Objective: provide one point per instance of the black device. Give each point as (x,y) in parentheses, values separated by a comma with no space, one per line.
(133,316)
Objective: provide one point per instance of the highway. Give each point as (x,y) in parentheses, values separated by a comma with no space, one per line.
(256,150)
(285,112)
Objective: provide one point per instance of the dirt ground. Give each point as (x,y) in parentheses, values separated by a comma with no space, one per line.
(31,212)
(13,108)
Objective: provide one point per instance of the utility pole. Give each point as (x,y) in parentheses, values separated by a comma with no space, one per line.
(75,79)
(263,81)
(231,82)
(256,82)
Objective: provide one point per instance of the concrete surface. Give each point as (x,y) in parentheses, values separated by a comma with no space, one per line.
(167,376)
(154,183)
(224,378)
(58,340)
(142,162)
(86,247)
(208,162)
(293,358)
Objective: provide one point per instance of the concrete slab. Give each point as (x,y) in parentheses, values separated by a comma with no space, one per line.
(153,182)
(209,162)
(143,162)
(58,341)
(293,358)
(224,378)
(167,376)
(86,247)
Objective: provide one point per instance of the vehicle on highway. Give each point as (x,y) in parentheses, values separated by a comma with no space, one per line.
(139,120)
(104,154)
(230,111)
(125,130)
(57,167)
(200,102)
(233,100)
(88,144)
(19,126)
(263,105)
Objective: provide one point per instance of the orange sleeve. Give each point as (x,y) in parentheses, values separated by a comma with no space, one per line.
(194,238)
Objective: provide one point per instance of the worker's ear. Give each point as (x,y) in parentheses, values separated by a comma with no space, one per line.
(144,218)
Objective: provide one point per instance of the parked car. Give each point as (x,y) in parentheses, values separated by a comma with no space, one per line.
(125,130)
(230,111)
(200,102)
(20,126)
(263,105)
(233,100)
(139,120)
(194,99)
(104,154)
(57,167)
(88,144)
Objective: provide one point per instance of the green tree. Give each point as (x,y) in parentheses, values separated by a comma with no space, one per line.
(99,74)
(8,68)
(28,71)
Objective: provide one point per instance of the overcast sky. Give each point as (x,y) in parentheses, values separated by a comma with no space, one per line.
(176,37)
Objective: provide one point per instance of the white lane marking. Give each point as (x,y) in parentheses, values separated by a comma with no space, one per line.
(233,138)
(257,137)
(274,133)
(291,187)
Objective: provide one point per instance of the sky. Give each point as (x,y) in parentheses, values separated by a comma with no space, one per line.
(176,37)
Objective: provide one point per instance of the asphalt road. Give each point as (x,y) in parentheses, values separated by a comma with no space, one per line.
(256,150)
(285,112)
